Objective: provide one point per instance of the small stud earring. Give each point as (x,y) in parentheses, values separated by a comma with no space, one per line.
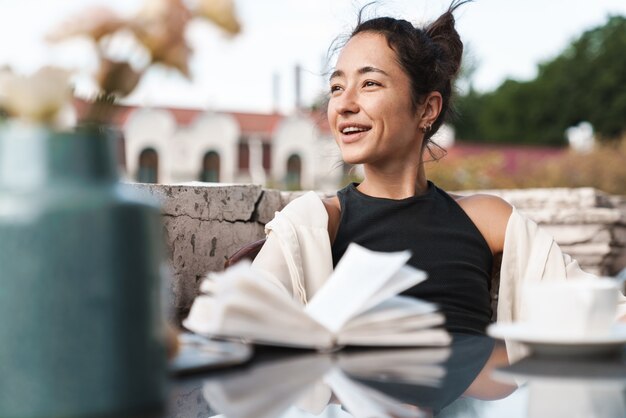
(427,128)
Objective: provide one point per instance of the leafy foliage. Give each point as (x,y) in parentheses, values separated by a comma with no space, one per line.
(587,82)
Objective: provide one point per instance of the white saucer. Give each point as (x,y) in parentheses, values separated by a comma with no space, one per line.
(553,344)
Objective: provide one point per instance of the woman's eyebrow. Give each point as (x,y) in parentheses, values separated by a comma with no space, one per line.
(335,74)
(362,70)
(370,69)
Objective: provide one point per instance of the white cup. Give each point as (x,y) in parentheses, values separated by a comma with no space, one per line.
(575,308)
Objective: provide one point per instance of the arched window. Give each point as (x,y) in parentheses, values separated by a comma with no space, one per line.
(294,171)
(210,167)
(148,166)
(267,156)
(244,155)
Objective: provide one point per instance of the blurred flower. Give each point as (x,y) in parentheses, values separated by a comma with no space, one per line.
(36,98)
(160,27)
(95,22)
(156,34)
(117,78)
(220,12)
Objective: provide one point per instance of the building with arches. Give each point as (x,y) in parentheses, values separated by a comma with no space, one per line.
(172,145)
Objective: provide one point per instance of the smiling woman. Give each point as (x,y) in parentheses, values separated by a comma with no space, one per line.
(371,115)
(389,93)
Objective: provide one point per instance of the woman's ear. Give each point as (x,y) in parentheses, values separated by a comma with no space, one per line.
(430,110)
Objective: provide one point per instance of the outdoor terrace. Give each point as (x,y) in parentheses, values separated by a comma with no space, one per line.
(205,223)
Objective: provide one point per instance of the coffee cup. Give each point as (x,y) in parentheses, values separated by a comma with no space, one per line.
(575,308)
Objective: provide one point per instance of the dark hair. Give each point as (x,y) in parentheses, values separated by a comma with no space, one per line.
(430,56)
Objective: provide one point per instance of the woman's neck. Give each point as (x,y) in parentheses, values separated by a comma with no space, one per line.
(394,184)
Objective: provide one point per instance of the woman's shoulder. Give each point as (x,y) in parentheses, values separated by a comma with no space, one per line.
(306,209)
(312,210)
(484,202)
(490,214)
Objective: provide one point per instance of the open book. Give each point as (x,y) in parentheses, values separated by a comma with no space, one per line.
(358,305)
(317,384)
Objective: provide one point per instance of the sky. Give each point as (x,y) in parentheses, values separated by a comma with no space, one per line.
(505,39)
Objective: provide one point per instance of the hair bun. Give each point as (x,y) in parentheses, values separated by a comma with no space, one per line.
(443,33)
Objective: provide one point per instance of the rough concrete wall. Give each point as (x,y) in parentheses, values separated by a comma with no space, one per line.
(206,223)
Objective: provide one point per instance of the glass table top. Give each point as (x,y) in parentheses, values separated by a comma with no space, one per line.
(470,378)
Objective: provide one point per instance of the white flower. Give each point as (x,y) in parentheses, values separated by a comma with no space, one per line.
(36,98)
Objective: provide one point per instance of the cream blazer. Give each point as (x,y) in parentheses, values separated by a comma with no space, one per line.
(297,258)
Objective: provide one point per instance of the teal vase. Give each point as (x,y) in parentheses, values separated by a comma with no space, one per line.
(81,329)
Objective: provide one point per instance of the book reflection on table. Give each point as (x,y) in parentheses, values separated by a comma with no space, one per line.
(326,385)
(358,305)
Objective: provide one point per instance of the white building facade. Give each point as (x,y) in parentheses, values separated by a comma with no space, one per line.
(182,145)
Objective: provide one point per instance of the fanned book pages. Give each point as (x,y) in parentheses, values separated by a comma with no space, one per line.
(358,305)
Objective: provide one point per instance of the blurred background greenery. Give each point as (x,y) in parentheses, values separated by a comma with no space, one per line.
(586,82)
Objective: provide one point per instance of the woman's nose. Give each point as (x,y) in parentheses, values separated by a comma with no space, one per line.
(347,102)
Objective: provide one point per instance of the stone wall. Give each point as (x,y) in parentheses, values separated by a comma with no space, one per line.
(588,224)
(204,224)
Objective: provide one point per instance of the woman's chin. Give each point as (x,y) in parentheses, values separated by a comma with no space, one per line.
(352,158)
(352,161)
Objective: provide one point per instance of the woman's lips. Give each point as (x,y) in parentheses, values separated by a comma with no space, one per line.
(353,136)
(351,132)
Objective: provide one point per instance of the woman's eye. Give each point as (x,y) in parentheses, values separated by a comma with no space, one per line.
(334,89)
(370,84)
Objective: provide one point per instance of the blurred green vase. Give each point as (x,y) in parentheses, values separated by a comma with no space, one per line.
(80,265)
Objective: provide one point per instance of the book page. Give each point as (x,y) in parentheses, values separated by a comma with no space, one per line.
(243,305)
(400,320)
(359,276)
(390,311)
(407,276)
(422,336)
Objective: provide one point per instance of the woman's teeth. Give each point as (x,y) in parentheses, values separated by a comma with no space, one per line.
(353,129)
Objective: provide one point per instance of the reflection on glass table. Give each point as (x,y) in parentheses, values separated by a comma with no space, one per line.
(361,383)
(571,387)
(470,378)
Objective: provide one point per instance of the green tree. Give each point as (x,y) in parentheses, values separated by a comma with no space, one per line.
(587,81)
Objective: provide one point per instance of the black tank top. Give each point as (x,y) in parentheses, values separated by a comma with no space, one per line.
(443,241)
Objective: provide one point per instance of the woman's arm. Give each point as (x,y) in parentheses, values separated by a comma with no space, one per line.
(490,214)
(333,208)
(484,386)
(272,263)
(297,255)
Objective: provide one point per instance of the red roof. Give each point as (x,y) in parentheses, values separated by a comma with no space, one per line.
(261,124)
(257,123)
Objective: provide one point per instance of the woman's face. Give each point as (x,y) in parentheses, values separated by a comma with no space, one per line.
(370,110)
